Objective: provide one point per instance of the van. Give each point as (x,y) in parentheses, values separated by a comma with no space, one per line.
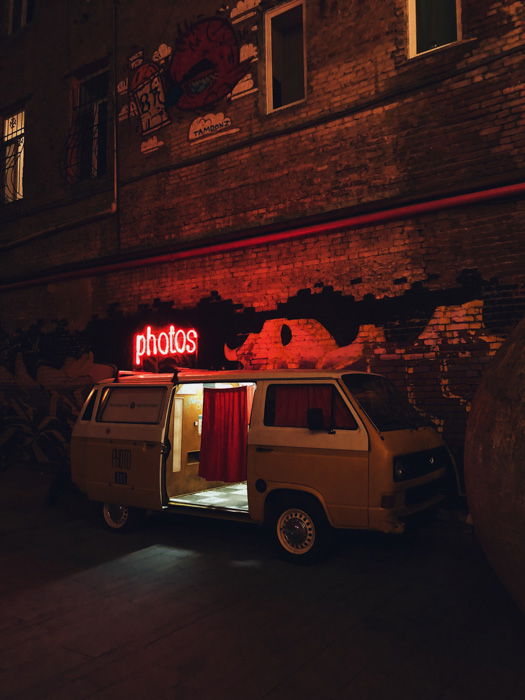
(303,451)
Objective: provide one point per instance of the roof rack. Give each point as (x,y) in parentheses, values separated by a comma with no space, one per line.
(125,373)
(130,373)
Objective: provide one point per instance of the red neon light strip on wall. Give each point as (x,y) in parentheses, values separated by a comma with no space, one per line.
(377,217)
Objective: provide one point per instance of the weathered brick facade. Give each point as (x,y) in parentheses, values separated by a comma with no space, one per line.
(423,296)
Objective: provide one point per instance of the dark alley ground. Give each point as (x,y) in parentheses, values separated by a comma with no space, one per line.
(197,609)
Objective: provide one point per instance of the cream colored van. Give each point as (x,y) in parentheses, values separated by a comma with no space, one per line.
(301,450)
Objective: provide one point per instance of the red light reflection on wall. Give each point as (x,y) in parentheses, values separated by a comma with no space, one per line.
(166,342)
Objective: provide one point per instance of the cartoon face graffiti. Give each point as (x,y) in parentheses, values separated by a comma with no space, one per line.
(205,65)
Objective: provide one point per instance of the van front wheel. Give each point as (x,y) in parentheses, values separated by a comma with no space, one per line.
(118,517)
(300,530)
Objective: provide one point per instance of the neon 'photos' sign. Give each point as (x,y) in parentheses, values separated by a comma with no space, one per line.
(167,342)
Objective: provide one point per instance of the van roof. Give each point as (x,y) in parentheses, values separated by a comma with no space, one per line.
(184,376)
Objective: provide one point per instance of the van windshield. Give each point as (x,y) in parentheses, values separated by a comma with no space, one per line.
(383,404)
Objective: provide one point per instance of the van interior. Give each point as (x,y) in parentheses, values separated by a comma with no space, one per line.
(208,430)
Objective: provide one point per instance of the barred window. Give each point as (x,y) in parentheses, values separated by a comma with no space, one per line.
(88,139)
(13,143)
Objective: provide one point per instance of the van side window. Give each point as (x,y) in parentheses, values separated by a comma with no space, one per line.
(90,405)
(287,406)
(131,404)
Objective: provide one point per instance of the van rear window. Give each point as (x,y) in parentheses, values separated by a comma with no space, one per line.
(131,404)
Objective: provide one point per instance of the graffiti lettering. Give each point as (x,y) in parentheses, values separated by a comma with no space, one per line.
(147,91)
(211,129)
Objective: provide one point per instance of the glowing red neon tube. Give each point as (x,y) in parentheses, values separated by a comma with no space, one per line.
(165,342)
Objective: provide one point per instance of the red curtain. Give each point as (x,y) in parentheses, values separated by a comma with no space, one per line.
(293,400)
(224,435)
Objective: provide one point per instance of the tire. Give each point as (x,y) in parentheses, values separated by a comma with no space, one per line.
(118,517)
(300,529)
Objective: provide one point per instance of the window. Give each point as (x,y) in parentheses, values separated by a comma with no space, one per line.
(285,59)
(433,23)
(20,13)
(382,403)
(124,404)
(287,406)
(90,405)
(88,141)
(13,143)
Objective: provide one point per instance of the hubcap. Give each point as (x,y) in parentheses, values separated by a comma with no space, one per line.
(296,531)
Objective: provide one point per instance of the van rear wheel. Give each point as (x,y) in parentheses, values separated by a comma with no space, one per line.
(119,517)
(300,530)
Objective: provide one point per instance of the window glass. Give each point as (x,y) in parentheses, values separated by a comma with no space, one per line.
(88,411)
(13,151)
(88,141)
(436,23)
(285,65)
(383,404)
(287,406)
(20,13)
(16,14)
(130,404)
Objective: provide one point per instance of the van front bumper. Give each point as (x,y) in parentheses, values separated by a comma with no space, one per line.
(398,506)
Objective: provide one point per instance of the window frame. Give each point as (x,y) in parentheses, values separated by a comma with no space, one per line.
(268,17)
(105,400)
(25,17)
(412,31)
(93,109)
(269,396)
(18,141)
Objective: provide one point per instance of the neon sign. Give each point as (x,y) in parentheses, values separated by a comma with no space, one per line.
(167,342)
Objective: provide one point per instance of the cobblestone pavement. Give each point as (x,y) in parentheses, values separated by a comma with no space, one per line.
(190,608)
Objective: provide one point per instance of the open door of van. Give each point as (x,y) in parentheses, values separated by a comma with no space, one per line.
(120,449)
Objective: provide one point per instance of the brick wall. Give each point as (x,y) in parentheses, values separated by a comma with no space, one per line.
(425,300)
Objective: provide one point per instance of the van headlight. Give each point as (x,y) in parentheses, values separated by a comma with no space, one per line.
(401,470)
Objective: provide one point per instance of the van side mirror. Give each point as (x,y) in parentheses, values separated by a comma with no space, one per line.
(315,419)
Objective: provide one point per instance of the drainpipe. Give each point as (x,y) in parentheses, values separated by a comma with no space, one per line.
(115,204)
(384,216)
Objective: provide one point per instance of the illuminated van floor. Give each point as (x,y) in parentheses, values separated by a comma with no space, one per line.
(232,497)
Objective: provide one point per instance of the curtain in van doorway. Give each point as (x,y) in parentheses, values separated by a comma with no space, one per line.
(224,435)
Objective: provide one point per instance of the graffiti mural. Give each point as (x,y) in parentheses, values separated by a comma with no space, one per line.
(150,145)
(205,65)
(244,9)
(210,126)
(42,388)
(433,344)
(209,62)
(146,89)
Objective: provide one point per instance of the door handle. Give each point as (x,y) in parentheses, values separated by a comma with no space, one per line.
(264,449)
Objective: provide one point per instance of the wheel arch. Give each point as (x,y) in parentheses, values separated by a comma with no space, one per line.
(282,496)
